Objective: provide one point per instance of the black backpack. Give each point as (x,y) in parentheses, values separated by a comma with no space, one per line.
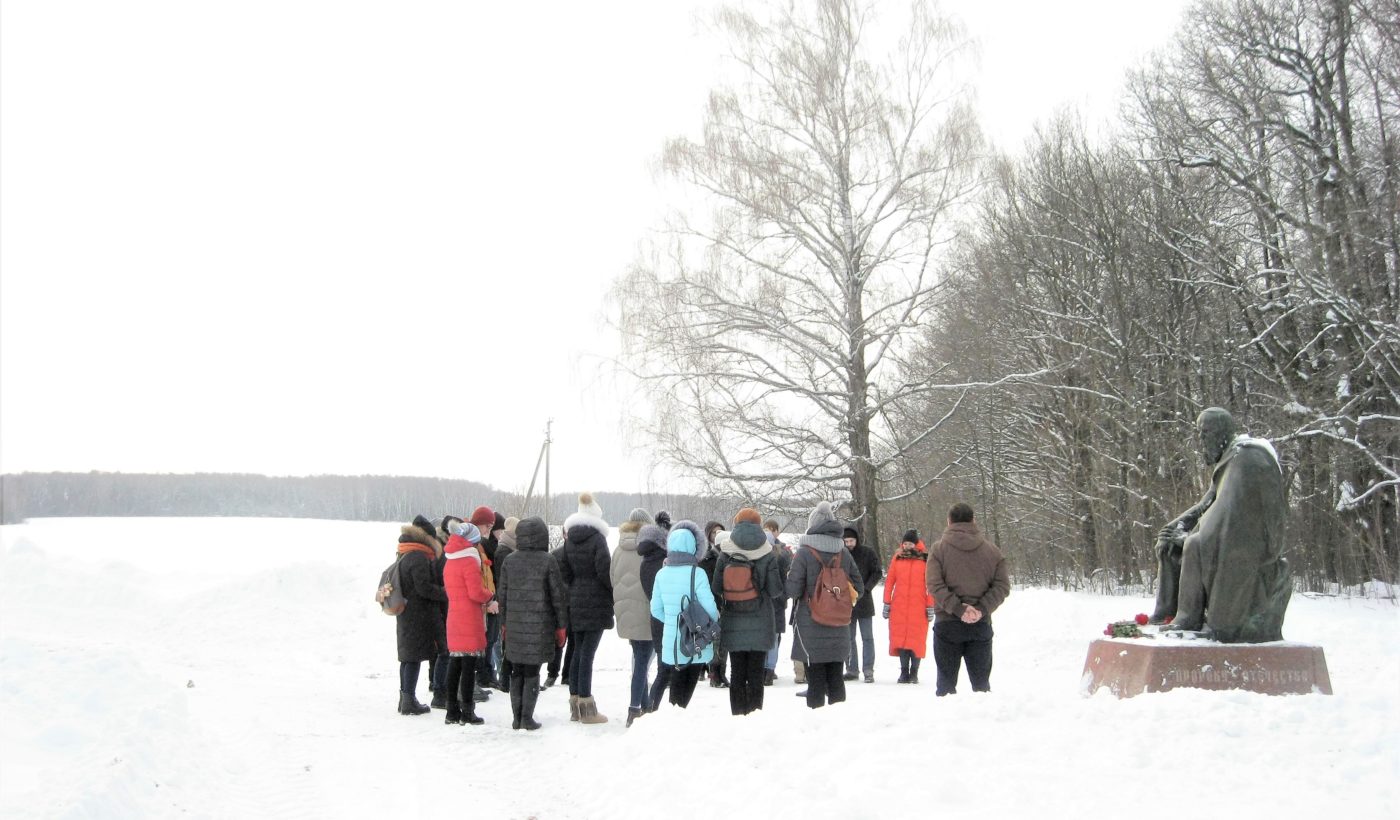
(695,629)
(739,590)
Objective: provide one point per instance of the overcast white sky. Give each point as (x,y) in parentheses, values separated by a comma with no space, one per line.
(373,237)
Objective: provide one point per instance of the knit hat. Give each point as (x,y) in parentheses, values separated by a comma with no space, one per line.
(588,506)
(499,523)
(511,524)
(750,515)
(911,536)
(639,516)
(467,530)
(663,519)
(483,517)
(823,521)
(850,533)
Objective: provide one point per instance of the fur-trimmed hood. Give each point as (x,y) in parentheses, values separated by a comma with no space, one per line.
(746,539)
(412,534)
(672,541)
(581,520)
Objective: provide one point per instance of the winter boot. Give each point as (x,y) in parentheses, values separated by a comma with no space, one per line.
(632,714)
(439,699)
(516,700)
(799,673)
(869,677)
(409,705)
(480,695)
(573,709)
(469,715)
(850,676)
(548,682)
(529,693)
(769,677)
(588,711)
(454,712)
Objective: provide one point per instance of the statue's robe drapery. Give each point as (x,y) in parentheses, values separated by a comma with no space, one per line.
(1232,566)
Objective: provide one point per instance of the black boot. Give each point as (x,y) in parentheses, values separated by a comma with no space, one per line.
(409,705)
(480,695)
(454,712)
(549,681)
(517,700)
(633,713)
(469,715)
(439,699)
(529,693)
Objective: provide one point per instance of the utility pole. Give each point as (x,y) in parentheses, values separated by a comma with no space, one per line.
(543,456)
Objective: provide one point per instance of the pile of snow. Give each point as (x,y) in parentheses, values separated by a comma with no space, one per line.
(238,667)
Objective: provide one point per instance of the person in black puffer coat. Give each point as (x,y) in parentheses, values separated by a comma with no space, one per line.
(437,667)
(534,614)
(420,629)
(586,565)
(719,679)
(651,546)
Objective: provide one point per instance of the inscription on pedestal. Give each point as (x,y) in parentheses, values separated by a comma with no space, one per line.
(1132,667)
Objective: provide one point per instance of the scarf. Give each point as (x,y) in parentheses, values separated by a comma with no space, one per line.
(412,546)
(681,559)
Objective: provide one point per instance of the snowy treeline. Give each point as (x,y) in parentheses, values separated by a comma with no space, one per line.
(349,498)
(1236,242)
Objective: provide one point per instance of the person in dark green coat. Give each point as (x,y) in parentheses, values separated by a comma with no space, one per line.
(746,582)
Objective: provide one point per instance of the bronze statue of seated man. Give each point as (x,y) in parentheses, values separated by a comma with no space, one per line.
(1222,570)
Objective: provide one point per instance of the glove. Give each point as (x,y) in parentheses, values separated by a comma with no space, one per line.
(559,636)
(886,612)
(929,612)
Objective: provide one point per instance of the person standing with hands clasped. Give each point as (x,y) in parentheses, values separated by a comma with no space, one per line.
(967,578)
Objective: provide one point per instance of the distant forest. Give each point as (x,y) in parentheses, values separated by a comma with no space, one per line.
(350,498)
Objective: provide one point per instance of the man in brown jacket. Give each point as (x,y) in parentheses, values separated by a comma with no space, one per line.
(967,578)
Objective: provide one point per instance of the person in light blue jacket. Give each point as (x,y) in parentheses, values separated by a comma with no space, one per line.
(679,579)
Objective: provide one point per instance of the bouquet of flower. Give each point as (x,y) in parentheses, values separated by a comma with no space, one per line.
(1127,629)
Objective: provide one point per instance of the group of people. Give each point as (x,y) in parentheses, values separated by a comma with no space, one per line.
(490,606)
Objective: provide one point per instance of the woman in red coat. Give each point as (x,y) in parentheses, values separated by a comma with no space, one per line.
(467,597)
(908,606)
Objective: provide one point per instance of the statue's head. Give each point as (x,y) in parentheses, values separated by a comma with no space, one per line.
(1217,429)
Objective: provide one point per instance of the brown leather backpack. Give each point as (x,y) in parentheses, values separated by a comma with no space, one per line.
(832,600)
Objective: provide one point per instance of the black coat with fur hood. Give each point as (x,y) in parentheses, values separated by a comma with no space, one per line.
(586,565)
(421,630)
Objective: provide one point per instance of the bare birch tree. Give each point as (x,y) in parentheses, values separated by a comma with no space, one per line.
(768,322)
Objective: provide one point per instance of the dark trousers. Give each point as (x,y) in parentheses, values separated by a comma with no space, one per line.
(865,626)
(825,684)
(658,686)
(641,664)
(461,681)
(408,676)
(716,666)
(683,681)
(437,672)
(955,642)
(525,670)
(908,663)
(581,665)
(485,670)
(557,660)
(746,681)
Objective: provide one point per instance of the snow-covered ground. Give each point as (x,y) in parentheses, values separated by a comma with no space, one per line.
(238,668)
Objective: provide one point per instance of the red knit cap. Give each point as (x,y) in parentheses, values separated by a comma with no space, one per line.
(750,515)
(483,517)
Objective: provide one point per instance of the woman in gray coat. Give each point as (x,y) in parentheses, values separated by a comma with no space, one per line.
(823,649)
(632,607)
(535,613)
(746,582)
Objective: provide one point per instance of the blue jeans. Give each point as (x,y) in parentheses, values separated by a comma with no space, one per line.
(641,663)
(867,640)
(581,667)
(771,662)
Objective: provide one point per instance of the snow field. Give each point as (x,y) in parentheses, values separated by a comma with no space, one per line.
(238,667)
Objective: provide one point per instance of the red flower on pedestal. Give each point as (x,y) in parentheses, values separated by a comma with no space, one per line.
(1142,619)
